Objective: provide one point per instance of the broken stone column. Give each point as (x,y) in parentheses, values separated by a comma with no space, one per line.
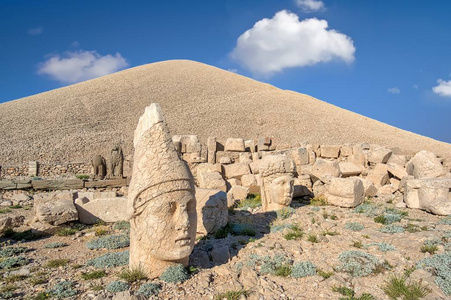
(211,150)
(277,186)
(161,202)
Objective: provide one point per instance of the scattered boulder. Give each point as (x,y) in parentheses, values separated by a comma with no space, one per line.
(330,151)
(55,208)
(379,175)
(7,222)
(396,170)
(379,155)
(432,195)
(105,209)
(425,164)
(236,170)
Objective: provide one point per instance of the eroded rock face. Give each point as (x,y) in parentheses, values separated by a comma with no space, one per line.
(55,208)
(161,203)
(277,185)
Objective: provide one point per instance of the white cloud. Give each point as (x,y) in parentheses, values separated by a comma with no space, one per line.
(233,70)
(394,90)
(75,44)
(81,65)
(285,42)
(443,88)
(310,5)
(36,31)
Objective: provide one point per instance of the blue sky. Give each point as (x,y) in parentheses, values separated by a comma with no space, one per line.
(388,60)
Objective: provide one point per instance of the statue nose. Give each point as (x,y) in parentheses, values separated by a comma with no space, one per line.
(183,223)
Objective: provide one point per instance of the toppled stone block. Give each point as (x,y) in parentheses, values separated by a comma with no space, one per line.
(211,180)
(248,180)
(425,164)
(358,159)
(255,166)
(398,159)
(431,194)
(212,211)
(188,143)
(236,193)
(236,170)
(245,157)
(379,155)
(55,208)
(345,192)
(105,209)
(300,156)
(379,175)
(330,151)
(387,189)
(346,150)
(7,222)
(369,189)
(234,145)
(263,144)
(396,170)
(323,168)
(23,184)
(349,169)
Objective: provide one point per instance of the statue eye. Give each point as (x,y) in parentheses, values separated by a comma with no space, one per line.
(172,206)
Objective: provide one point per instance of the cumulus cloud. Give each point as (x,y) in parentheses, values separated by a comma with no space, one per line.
(394,90)
(81,65)
(36,31)
(310,5)
(285,42)
(443,88)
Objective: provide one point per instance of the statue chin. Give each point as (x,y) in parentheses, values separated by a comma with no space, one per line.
(174,254)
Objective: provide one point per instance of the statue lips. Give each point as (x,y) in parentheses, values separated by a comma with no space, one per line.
(183,241)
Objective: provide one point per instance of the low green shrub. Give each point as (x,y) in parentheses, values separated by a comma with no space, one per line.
(11,251)
(15,261)
(324,274)
(56,263)
(358,263)
(63,289)
(242,229)
(350,294)
(280,227)
(175,273)
(82,176)
(440,266)
(285,213)
(271,265)
(55,245)
(132,275)
(117,286)
(93,275)
(392,228)
(312,238)
(232,295)
(149,289)
(121,225)
(303,269)
(354,226)
(399,287)
(381,246)
(318,201)
(109,242)
(110,260)
(295,233)
(252,201)
(66,231)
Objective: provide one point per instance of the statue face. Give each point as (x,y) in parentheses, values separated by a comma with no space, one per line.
(281,190)
(169,225)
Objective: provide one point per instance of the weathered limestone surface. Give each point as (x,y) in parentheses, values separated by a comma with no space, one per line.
(211,180)
(105,209)
(369,189)
(161,201)
(7,222)
(212,211)
(345,192)
(323,168)
(396,170)
(55,208)
(379,155)
(432,195)
(379,175)
(236,170)
(330,151)
(425,164)
(277,190)
(234,145)
(348,169)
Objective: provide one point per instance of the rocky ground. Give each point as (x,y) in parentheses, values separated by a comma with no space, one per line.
(311,251)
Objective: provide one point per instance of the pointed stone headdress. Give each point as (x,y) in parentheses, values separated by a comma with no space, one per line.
(157,166)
